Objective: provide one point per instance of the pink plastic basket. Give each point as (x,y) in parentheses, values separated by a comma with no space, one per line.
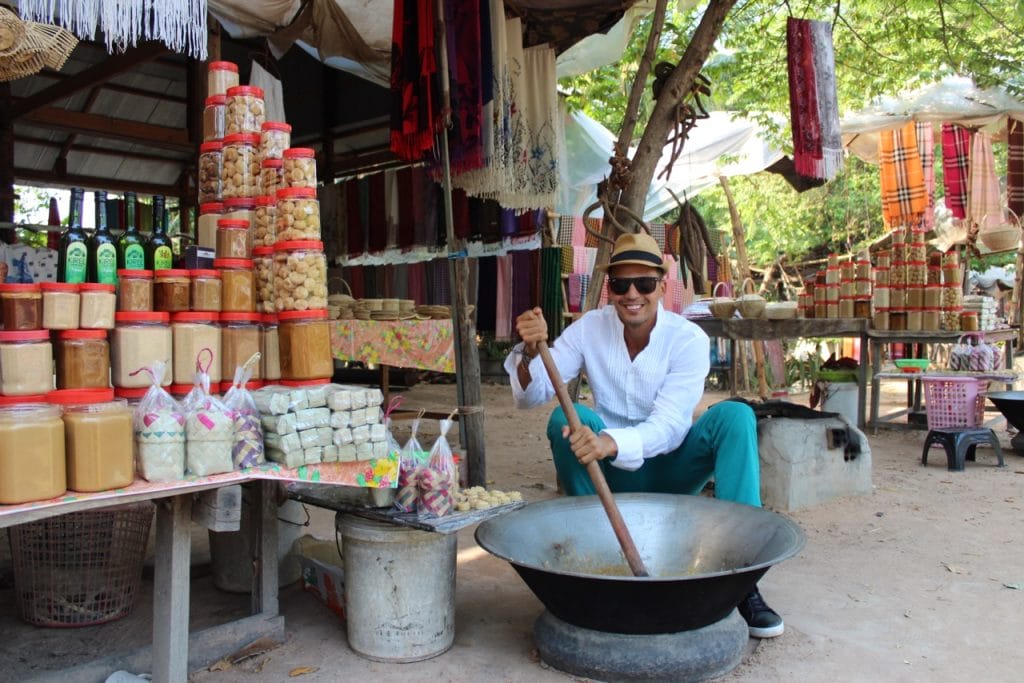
(953,402)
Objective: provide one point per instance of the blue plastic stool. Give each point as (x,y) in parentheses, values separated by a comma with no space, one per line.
(960,444)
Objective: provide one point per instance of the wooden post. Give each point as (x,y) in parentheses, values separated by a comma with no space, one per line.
(171,589)
(263,511)
(740,240)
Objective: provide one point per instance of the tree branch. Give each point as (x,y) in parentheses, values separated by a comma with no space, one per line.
(640,80)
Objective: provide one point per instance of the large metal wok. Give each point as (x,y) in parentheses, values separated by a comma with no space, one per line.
(704,555)
(1011,405)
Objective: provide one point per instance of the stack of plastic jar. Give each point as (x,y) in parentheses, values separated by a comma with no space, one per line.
(241,166)
(245,111)
(298,214)
(206,231)
(100,451)
(220,77)
(139,340)
(300,167)
(32,461)
(300,276)
(211,158)
(264,220)
(213,117)
(305,345)
(275,138)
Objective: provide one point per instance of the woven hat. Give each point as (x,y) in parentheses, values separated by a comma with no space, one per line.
(28,46)
(635,249)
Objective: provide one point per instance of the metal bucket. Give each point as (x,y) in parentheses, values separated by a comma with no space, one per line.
(399,590)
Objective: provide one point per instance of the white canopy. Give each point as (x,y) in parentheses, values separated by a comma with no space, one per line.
(723,145)
(954,99)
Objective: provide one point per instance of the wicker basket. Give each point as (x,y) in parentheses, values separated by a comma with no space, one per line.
(1002,237)
(82,568)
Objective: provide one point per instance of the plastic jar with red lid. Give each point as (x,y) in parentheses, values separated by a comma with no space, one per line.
(61,305)
(299,167)
(245,111)
(21,306)
(264,221)
(100,441)
(238,288)
(240,339)
(270,348)
(83,359)
(298,214)
(275,138)
(300,276)
(305,345)
(211,157)
(220,76)
(206,225)
(234,239)
(196,337)
(98,306)
(134,291)
(139,340)
(26,362)
(32,460)
(171,290)
(241,166)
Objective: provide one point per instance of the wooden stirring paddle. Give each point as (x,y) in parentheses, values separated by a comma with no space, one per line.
(636,565)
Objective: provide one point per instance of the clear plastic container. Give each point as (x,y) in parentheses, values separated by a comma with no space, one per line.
(271,176)
(241,166)
(275,138)
(299,167)
(305,345)
(134,290)
(300,276)
(241,209)
(171,290)
(26,362)
(263,267)
(22,306)
(240,339)
(245,111)
(62,305)
(206,229)
(140,339)
(98,306)
(210,175)
(220,76)
(263,223)
(270,348)
(298,214)
(213,117)
(83,359)
(238,288)
(206,290)
(194,332)
(99,439)
(32,462)
(233,239)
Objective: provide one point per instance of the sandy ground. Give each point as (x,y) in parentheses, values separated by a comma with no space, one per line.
(922,579)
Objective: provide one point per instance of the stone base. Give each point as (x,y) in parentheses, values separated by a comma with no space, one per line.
(799,470)
(695,655)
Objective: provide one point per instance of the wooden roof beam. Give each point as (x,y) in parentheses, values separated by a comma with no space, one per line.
(107,127)
(90,182)
(93,149)
(118,88)
(89,77)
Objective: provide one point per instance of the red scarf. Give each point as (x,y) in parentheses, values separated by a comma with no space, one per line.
(803,97)
(412,70)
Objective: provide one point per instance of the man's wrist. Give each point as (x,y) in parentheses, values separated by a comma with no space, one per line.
(525,355)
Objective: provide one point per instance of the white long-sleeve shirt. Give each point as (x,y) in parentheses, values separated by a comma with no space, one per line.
(646,403)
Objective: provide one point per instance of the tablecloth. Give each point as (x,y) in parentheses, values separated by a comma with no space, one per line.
(419,344)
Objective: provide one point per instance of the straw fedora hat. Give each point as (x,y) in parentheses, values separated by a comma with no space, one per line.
(635,249)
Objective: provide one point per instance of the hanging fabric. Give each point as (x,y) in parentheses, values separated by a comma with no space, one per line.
(413,66)
(926,149)
(984,207)
(490,221)
(1015,166)
(407,214)
(377,224)
(486,301)
(391,213)
(503,300)
(356,235)
(956,145)
(466,74)
(813,104)
(565,223)
(903,195)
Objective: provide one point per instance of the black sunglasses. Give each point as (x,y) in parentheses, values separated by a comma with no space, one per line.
(644,285)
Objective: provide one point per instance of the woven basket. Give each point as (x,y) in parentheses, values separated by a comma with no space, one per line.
(60,43)
(1004,236)
(750,305)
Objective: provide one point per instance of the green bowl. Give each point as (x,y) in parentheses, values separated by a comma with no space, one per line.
(912,364)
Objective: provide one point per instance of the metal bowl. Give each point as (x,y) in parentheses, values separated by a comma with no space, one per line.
(1011,405)
(704,555)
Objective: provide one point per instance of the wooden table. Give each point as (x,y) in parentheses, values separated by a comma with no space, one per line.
(878,338)
(174,652)
(743,329)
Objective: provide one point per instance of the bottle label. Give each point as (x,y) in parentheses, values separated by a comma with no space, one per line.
(106,264)
(135,257)
(77,256)
(162,258)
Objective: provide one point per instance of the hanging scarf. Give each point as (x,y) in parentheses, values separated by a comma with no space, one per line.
(926,149)
(984,208)
(465,69)
(903,194)
(1015,166)
(955,146)
(356,235)
(413,67)
(813,104)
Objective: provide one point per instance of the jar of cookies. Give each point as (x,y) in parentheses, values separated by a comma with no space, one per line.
(271,176)
(300,167)
(233,239)
(263,265)
(238,290)
(298,214)
(275,138)
(206,228)
(245,112)
(241,166)
(210,169)
(263,222)
(220,76)
(300,276)
(213,117)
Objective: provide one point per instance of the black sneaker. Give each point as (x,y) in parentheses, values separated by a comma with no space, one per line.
(763,621)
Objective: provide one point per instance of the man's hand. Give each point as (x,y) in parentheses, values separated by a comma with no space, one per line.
(587,446)
(532,328)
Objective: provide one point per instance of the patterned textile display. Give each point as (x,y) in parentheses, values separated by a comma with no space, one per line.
(903,194)
(567,256)
(413,66)
(814,109)
(406,201)
(565,228)
(658,233)
(575,292)
(441,282)
(551,289)
(589,240)
(509,223)
(956,145)
(461,223)
(466,74)
(984,208)
(1015,166)
(926,148)
(418,282)
(584,286)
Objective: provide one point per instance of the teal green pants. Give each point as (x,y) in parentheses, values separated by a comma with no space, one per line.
(721,443)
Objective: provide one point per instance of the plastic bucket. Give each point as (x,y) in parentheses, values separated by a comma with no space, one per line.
(399,590)
(840,397)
